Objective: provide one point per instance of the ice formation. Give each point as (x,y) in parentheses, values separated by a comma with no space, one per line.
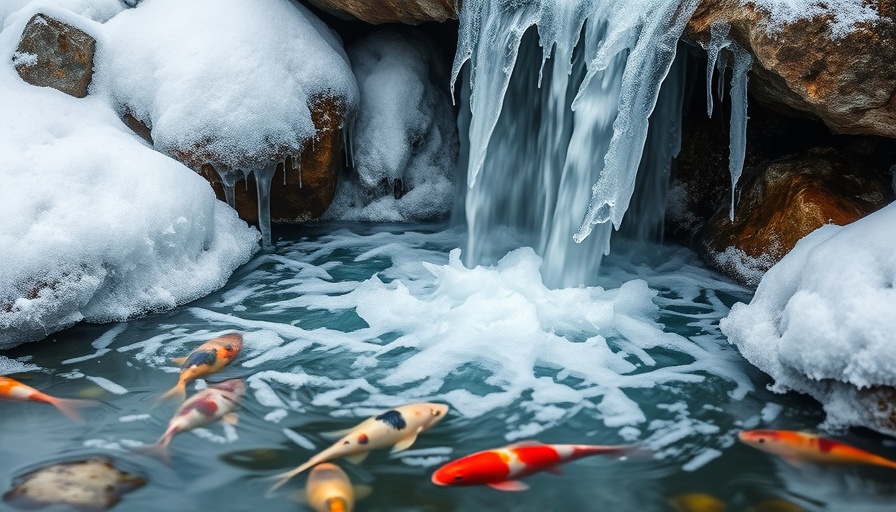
(823,318)
(226,82)
(95,225)
(602,64)
(402,144)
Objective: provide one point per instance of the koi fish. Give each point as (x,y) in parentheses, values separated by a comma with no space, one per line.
(502,468)
(330,490)
(696,502)
(218,401)
(12,389)
(208,358)
(799,447)
(397,427)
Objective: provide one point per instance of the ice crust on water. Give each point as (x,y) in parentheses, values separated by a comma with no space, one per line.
(94,225)
(402,143)
(843,15)
(823,318)
(636,39)
(493,342)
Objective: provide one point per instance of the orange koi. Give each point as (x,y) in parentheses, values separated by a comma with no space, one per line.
(12,389)
(799,447)
(208,358)
(502,468)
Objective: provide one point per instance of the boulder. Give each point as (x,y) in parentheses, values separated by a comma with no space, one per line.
(411,12)
(820,66)
(55,54)
(785,201)
(92,484)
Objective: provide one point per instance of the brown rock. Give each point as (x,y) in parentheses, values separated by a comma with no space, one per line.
(94,484)
(411,12)
(54,54)
(308,189)
(847,82)
(786,201)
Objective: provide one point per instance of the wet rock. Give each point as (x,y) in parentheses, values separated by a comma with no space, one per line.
(785,201)
(411,12)
(310,178)
(54,54)
(843,79)
(93,484)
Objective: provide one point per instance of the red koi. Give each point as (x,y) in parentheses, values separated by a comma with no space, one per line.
(799,447)
(12,389)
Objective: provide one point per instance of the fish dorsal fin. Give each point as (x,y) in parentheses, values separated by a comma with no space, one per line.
(509,486)
(404,444)
(357,458)
(362,491)
(336,434)
(231,418)
(179,361)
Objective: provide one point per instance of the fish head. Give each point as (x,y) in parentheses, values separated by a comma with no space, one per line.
(428,414)
(772,441)
(229,345)
(476,469)
(327,485)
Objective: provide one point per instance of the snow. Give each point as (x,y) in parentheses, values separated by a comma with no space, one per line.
(824,315)
(844,15)
(404,134)
(97,10)
(94,224)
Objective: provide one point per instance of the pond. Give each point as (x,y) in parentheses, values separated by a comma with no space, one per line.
(341,323)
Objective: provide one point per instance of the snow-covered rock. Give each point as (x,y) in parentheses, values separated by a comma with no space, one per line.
(412,12)
(403,142)
(823,318)
(94,224)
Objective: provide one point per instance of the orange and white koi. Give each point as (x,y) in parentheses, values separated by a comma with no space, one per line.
(218,401)
(330,490)
(502,468)
(11,389)
(208,358)
(397,427)
(799,447)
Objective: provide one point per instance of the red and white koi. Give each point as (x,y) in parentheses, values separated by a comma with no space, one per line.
(799,447)
(11,389)
(218,401)
(502,468)
(208,358)
(397,427)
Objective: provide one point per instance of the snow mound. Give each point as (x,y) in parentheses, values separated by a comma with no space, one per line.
(96,10)
(403,143)
(94,224)
(826,314)
(844,15)
(226,82)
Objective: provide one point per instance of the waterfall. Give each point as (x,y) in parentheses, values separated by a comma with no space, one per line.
(556,142)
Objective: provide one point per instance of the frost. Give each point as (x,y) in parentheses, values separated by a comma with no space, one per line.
(824,315)
(23,59)
(843,15)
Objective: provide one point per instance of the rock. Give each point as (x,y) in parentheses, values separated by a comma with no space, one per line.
(308,189)
(785,201)
(411,12)
(94,484)
(54,54)
(844,79)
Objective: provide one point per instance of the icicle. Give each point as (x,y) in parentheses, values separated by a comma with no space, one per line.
(263,178)
(742,62)
(228,177)
(298,164)
(287,164)
(718,39)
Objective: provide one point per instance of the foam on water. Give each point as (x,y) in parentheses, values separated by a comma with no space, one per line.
(493,342)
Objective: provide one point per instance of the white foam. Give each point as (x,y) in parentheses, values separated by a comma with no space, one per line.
(9,366)
(108,385)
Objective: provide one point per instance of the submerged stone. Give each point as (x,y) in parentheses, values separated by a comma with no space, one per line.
(92,484)
(55,54)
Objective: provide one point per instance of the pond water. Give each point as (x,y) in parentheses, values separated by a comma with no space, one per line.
(342,323)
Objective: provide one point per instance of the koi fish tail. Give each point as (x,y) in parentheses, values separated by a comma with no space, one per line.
(178,392)
(70,407)
(158,451)
(282,478)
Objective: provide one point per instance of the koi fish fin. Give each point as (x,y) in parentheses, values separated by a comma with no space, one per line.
(362,491)
(231,418)
(282,478)
(509,486)
(158,451)
(404,444)
(357,458)
(179,361)
(336,434)
(555,470)
(178,392)
(70,407)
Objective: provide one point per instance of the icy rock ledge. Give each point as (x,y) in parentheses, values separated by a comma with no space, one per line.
(823,318)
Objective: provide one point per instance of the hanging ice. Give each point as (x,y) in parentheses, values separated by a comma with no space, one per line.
(580,122)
